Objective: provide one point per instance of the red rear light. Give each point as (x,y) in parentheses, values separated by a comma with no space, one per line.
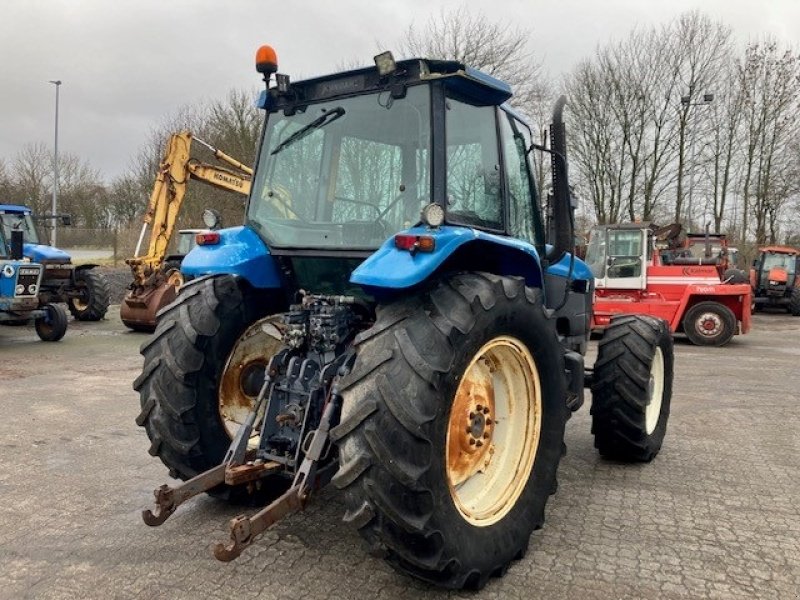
(208,238)
(414,243)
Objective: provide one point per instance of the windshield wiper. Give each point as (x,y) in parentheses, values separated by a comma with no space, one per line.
(325,118)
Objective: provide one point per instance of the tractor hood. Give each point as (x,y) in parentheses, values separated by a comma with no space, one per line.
(45,254)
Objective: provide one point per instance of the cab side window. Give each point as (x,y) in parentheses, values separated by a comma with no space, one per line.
(517,181)
(473,166)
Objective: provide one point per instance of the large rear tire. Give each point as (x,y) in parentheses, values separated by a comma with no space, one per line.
(709,324)
(185,361)
(93,302)
(632,388)
(452,428)
(794,302)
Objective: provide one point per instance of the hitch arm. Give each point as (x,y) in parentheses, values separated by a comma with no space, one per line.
(245,529)
(168,499)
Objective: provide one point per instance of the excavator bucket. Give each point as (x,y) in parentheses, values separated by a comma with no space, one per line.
(142,303)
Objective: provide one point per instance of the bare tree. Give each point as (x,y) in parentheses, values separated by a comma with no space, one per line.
(770,82)
(497,48)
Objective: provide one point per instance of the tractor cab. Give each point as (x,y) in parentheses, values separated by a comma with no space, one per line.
(618,255)
(776,268)
(349,160)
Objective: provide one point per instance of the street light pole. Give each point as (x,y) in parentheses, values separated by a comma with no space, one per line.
(54,207)
(687,101)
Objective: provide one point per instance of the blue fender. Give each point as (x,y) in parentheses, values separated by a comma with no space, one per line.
(239,252)
(391,268)
(579,269)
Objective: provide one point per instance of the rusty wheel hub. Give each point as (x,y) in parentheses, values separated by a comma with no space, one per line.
(243,375)
(493,431)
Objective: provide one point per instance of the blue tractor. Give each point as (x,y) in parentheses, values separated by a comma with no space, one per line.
(84,290)
(20,281)
(392,319)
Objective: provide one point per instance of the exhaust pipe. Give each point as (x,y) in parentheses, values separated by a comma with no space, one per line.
(562,202)
(17,239)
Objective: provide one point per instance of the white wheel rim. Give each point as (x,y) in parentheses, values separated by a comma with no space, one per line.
(709,324)
(493,431)
(656,388)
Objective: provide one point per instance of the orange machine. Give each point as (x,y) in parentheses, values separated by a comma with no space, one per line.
(774,278)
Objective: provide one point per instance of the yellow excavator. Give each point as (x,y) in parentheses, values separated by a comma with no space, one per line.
(155,280)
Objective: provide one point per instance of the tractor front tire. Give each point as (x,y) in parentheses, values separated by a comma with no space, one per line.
(794,302)
(95,296)
(452,428)
(184,361)
(632,388)
(709,324)
(52,327)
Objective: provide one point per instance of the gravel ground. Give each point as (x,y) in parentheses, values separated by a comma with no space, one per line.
(715,516)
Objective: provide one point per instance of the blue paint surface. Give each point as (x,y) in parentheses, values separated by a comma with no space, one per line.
(390,267)
(40,253)
(240,252)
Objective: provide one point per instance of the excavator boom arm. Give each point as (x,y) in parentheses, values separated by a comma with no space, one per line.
(174,172)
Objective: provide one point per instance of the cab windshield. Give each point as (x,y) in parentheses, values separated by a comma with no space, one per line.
(343,174)
(785,261)
(22,222)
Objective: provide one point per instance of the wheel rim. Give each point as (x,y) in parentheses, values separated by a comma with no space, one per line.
(709,325)
(656,392)
(243,374)
(493,431)
(81,303)
(175,279)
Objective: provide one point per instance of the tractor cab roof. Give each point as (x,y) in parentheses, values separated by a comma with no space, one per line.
(779,250)
(14,209)
(642,225)
(471,85)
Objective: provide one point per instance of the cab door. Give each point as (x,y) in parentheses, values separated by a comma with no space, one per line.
(625,264)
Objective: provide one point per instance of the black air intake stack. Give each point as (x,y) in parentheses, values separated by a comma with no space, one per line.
(562,203)
(17,239)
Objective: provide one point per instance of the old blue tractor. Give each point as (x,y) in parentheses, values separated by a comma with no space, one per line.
(20,281)
(391,318)
(84,290)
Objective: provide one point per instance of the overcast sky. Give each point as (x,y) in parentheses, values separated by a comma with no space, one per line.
(125,65)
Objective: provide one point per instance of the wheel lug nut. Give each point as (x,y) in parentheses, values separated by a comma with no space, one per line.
(472,415)
(488,421)
(486,411)
(479,407)
(469,430)
(479,443)
(472,441)
(486,435)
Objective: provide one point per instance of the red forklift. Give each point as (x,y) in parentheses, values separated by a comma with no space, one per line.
(685,280)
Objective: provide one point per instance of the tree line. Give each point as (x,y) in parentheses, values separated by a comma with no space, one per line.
(673,123)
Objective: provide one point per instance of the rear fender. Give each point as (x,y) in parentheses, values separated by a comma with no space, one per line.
(736,297)
(457,248)
(240,252)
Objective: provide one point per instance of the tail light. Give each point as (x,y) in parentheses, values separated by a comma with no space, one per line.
(414,243)
(207,238)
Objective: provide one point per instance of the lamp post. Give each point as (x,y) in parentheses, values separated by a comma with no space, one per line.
(687,101)
(54,207)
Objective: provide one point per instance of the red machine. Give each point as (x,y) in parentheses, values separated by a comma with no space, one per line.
(774,278)
(687,283)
